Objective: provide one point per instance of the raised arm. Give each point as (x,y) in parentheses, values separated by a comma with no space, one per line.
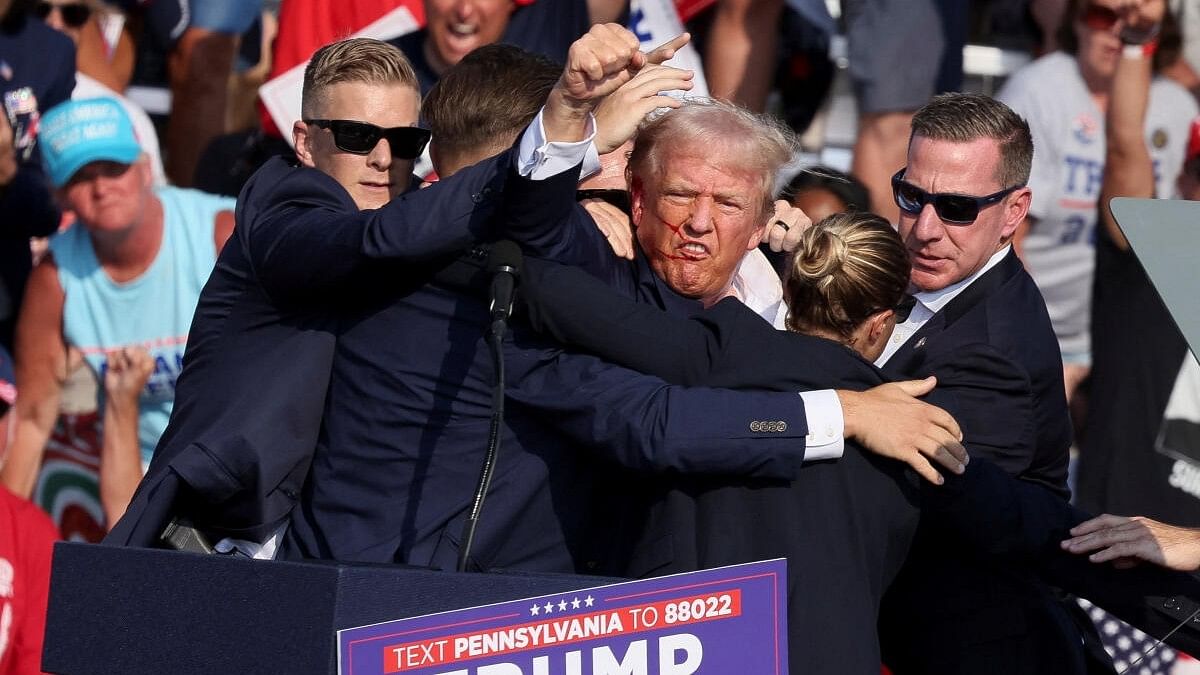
(41,362)
(125,374)
(1128,167)
(307,236)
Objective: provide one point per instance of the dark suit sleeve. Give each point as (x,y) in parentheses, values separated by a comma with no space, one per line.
(992,398)
(574,308)
(306,235)
(1025,522)
(998,514)
(643,423)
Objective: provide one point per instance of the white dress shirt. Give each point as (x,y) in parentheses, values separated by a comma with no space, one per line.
(930,303)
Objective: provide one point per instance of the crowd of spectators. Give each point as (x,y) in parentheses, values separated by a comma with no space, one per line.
(126,277)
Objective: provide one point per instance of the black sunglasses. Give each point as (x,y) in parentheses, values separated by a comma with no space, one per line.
(618,198)
(74,15)
(951,208)
(1099,17)
(904,308)
(361,138)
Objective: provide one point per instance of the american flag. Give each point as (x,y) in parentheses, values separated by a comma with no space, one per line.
(1135,653)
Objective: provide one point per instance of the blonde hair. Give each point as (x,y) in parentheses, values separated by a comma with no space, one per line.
(353,60)
(846,268)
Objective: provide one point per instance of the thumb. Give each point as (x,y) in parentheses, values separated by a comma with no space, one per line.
(917,388)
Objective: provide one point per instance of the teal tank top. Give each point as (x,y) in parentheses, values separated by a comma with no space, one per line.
(154,310)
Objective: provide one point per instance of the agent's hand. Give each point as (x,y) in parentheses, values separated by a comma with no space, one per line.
(614,224)
(785,226)
(618,115)
(889,421)
(1128,541)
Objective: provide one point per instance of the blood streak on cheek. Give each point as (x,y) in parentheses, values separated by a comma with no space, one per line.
(674,230)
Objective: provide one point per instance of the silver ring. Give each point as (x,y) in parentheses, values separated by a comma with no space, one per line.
(784,225)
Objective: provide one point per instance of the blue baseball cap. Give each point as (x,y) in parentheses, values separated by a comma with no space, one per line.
(77,133)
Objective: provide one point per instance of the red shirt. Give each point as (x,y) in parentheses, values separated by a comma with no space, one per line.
(26,541)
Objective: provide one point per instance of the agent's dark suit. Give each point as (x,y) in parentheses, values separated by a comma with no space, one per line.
(993,351)
(407,416)
(249,400)
(844,526)
(851,549)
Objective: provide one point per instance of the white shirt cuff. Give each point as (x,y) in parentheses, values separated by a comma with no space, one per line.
(826,426)
(538,159)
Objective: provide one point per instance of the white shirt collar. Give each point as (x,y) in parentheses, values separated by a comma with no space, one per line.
(937,300)
(757,285)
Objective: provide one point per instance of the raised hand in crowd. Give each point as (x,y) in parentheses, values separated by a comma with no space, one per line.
(785,227)
(126,373)
(1128,541)
(8,153)
(889,421)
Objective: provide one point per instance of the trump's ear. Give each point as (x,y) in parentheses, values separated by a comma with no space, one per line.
(302,139)
(637,200)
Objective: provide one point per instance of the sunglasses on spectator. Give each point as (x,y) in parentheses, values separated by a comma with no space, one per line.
(360,138)
(74,15)
(1099,17)
(951,208)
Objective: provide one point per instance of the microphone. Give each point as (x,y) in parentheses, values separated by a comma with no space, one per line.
(504,264)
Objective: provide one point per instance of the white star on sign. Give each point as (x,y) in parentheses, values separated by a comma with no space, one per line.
(548,607)
(575,603)
(534,610)
(562,605)
(588,601)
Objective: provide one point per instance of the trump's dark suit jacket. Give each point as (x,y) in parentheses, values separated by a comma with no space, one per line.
(841,526)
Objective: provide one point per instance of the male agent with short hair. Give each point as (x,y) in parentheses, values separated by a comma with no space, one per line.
(252,393)
(981,327)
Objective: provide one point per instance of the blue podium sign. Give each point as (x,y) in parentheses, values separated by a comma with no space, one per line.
(725,620)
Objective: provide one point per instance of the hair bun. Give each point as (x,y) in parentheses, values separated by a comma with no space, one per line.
(822,254)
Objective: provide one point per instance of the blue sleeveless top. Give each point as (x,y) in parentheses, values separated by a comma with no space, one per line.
(154,310)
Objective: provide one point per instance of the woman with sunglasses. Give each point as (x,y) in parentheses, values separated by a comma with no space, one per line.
(1064,96)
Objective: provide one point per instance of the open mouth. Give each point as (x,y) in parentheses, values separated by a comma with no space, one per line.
(691,251)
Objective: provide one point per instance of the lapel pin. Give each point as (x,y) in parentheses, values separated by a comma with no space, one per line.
(920,343)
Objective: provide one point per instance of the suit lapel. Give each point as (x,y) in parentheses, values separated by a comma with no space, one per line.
(909,356)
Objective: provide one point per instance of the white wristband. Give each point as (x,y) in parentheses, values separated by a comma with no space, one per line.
(1137,52)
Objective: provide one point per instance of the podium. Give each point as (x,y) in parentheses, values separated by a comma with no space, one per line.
(155,611)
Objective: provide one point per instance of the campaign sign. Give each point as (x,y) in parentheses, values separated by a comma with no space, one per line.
(725,620)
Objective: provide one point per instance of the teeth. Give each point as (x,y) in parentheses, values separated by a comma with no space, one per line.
(695,248)
(462,28)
